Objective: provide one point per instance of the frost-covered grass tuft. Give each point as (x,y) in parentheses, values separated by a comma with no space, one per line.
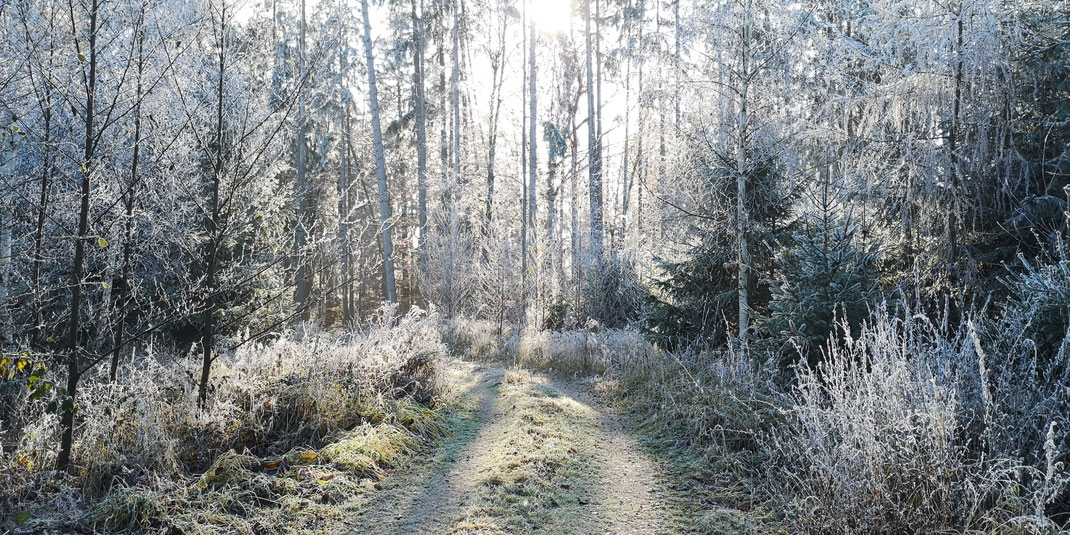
(477,340)
(909,428)
(270,408)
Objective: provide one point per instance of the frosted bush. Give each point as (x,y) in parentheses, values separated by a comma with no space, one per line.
(264,398)
(1041,295)
(902,429)
(475,339)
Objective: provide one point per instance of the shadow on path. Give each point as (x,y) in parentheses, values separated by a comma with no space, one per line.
(425,499)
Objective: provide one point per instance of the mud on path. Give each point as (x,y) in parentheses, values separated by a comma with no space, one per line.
(526,454)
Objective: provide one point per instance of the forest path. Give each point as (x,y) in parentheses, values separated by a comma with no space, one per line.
(527,454)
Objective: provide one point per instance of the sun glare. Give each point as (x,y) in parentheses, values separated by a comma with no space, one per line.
(551,16)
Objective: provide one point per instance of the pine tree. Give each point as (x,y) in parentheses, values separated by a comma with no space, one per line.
(824,278)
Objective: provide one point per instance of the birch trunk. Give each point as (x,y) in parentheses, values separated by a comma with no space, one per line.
(74,326)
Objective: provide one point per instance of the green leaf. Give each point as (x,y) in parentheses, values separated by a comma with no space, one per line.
(105,285)
(40,391)
(102,242)
(22,517)
(81,57)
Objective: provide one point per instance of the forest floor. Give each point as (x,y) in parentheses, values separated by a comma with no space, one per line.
(526,453)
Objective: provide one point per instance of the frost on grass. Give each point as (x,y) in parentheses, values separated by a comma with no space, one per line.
(535,471)
(911,425)
(290,428)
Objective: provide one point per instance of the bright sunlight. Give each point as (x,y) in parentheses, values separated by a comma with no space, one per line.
(551,16)
(535,267)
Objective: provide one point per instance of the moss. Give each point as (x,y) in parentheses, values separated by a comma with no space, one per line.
(369,448)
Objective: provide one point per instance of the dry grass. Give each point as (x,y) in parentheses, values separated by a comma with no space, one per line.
(290,428)
(535,470)
(908,427)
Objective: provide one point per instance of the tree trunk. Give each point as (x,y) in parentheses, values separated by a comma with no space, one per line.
(303,291)
(497,79)
(640,160)
(455,117)
(594,165)
(953,216)
(421,128)
(622,197)
(74,327)
(676,62)
(533,163)
(742,223)
(122,285)
(524,167)
(39,230)
(599,139)
(380,163)
(6,225)
(345,205)
(211,260)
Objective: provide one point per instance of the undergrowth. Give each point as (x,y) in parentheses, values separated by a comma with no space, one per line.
(290,429)
(912,426)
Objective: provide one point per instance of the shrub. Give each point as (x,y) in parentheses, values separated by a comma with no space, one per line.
(612,292)
(266,399)
(1041,294)
(821,278)
(903,429)
(475,339)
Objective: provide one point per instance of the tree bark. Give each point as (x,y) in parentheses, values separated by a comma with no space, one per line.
(303,292)
(421,128)
(524,167)
(953,217)
(345,204)
(380,163)
(533,163)
(122,285)
(742,223)
(211,262)
(74,326)
(594,164)
(39,229)
(497,79)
